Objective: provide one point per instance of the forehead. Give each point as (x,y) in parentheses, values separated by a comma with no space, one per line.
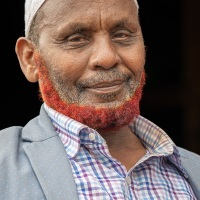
(86,11)
(53,5)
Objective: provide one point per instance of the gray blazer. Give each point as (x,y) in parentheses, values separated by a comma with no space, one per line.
(35,166)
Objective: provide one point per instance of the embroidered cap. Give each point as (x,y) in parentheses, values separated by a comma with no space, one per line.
(31,8)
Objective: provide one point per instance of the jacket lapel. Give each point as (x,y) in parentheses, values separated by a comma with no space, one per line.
(48,159)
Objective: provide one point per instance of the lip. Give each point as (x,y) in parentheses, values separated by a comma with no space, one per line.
(107,87)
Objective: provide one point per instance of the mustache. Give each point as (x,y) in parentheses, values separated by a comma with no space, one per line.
(103,76)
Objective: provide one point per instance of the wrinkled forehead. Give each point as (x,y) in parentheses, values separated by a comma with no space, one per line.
(31,8)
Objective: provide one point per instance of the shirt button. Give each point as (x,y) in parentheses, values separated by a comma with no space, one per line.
(92,136)
(128,180)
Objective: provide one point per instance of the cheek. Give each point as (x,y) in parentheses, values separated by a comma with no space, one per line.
(134,60)
(69,66)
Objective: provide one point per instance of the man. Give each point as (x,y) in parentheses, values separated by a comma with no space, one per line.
(89,140)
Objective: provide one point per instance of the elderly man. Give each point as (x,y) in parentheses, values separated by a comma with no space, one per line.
(89,140)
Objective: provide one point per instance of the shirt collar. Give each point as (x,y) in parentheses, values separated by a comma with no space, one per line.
(73,134)
(154,138)
(156,141)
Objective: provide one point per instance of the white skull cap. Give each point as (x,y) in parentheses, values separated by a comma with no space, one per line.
(31,8)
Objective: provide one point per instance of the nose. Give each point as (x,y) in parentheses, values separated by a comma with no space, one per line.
(104,54)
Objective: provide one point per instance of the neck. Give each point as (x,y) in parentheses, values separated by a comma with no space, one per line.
(124,146)
(116,138)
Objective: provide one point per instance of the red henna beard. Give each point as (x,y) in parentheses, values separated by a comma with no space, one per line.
(96,118)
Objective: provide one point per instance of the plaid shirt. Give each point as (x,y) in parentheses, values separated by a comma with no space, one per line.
(98,176)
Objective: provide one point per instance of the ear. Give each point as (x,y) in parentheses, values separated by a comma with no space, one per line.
(25,50)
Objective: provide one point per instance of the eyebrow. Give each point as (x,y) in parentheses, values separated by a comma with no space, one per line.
(123,24)
(76,27)
(120,24)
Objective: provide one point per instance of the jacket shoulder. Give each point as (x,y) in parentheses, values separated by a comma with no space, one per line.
(10,139)
(191,163)
(18,180)
(186,154)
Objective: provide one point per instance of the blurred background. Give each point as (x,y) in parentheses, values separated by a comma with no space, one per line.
(171,97)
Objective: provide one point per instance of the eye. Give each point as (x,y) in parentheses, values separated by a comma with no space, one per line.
(124,37)
(122,34)
(77,40)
